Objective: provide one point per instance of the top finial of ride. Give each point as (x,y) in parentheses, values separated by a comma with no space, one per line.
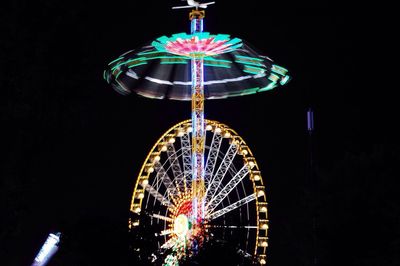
(194,4)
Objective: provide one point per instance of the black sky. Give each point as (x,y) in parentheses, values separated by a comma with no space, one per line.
(72,146)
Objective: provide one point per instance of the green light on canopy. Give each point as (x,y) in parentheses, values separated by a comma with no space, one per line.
(217,65)
(116,60)
(284,80)
(134,60)
(250,63)
(151,52)
(253,69)
(250,91)
(138,64)
(173,61)
(251,72)
(248,58)
(216,60)
(269,87)
(279,70)
(119,73)
(209,61)
(274,78)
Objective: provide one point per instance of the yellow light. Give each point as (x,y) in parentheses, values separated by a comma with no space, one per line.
(264,226)
(257,178)
(262,261)
(208,127)
(218,130)
(141,195)
(145,182)
(245,152)
(180,133)
(157,158)
(150,170)
(164,148)
(264,244)
(181,225)
(171,140)
(135,223)
(251,164)
(260,193)
(263,209)
(137,210)
(227,135)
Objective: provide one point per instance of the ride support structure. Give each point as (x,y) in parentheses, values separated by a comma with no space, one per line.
(198,124)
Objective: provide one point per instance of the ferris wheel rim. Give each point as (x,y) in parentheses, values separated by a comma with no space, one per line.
(173,132)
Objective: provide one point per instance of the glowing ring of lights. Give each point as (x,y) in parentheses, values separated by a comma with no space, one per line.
(170,212)
(199,44)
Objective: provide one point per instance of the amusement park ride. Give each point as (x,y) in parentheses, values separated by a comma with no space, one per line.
(200,182)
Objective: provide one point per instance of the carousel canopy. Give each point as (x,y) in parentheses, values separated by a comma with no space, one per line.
(162,69)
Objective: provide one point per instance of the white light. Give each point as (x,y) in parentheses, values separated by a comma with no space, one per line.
(262,261)
(227,135)
(180,133)
(171,140)
(137,210)
(48,249)
(157,158)
(260,193)
(245,152)
(263,209)
(145,182)
(251,164)
(264,244)
(164,148)
(208,127)
(141,195)
(150,170)
(257,178)
(181,225)
(218,130)
(189,129)
(135,223)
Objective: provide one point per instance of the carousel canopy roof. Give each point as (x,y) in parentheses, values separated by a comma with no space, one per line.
(162,69)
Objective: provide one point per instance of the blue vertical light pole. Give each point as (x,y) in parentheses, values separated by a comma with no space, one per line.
(198,133)
(314,187)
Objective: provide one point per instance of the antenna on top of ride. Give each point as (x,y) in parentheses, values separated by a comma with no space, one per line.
(192,3)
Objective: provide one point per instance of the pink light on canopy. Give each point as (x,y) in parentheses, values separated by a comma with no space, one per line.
(199,44)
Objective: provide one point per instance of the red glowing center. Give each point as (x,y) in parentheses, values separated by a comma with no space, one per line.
(196,46)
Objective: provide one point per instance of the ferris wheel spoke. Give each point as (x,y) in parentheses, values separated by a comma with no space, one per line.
(166,232)
(176,168)
(152,191)
(219,197)
(161,217)
(223,168)
(187,158)
(232,207)
(234,226)
(212,157)
(166,180)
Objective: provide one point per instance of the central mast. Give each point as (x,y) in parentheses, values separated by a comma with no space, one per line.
(198,133)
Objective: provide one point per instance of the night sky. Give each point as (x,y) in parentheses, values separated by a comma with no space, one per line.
(72,147)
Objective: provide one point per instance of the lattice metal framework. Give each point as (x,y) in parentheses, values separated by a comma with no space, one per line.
(153,180)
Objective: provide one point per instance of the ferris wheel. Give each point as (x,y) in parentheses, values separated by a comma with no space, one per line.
(235,202)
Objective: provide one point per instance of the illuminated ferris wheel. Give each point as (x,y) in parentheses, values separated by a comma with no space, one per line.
(234,198)
(200,185)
